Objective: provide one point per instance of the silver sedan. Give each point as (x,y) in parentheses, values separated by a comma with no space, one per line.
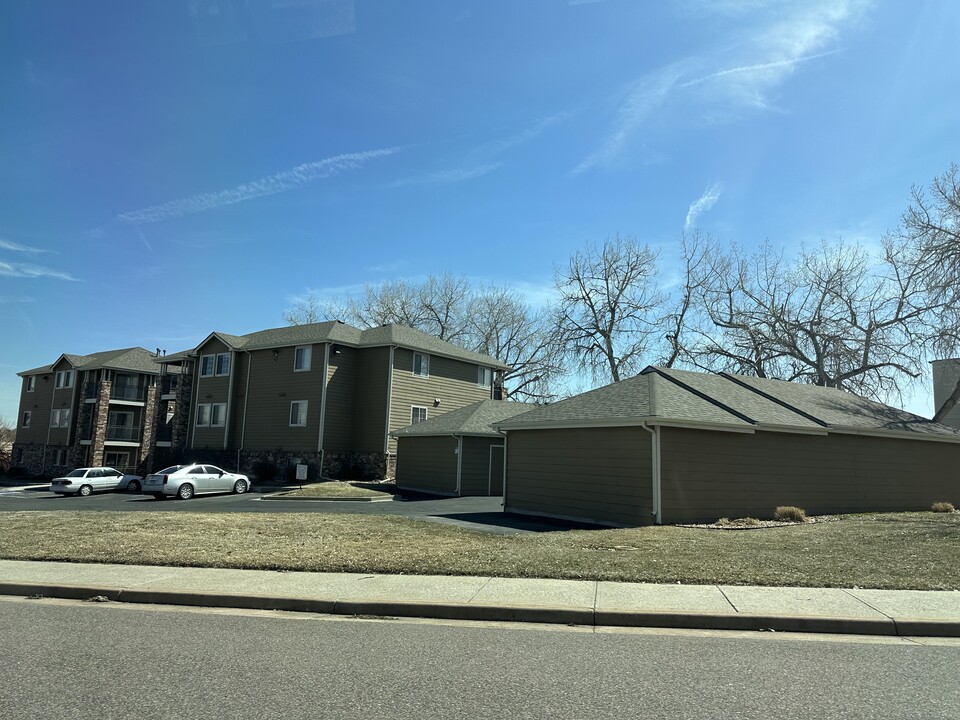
(84,481)
(185,481)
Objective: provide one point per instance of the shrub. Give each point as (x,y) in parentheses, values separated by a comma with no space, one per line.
(264,471)
(723,522)
(749,521)
(943,507)
(789,513)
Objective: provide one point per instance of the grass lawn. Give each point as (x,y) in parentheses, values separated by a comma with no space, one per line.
(904,550)
(338,490)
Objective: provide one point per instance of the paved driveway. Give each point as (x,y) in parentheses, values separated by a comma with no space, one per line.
(483,514)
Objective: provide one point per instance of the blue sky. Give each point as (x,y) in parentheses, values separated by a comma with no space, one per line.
(169,168)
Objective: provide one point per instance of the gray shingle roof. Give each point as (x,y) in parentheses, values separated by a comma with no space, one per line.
(668,395)
(475,419)
(334,331)
(135,359)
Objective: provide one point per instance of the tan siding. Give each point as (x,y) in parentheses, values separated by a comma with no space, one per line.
(338,429)
(236,407)
(598,474)
(273,386)
(453,382)
(708,475)
(475,465)
(496,471)
(370,400)
(428,463)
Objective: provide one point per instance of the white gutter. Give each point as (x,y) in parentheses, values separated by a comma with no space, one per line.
(386,425)
(226,421)
(323,400)
(655,490)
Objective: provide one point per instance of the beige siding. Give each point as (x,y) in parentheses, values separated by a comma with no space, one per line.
(369,406)
(475,465)
(209,389)
(236,407)
(599,475)
(273,386)
(428,463)
(708,475)
(452,382)
(338,429)
(496,471)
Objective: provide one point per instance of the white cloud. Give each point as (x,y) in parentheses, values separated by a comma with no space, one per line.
(32,271)
(446,177)
(738,73)
(269,185)
(702,205)
(16,247)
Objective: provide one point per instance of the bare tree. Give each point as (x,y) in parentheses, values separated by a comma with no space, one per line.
(8,434)
(609,307)
(494,321)
(833,316)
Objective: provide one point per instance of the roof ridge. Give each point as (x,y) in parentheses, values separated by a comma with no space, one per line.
(774,399)
(703,396)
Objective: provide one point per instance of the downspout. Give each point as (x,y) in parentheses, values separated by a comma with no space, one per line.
(459,460)
(323,402)
(386,425)
(655,490)
(246,398)
(226,422)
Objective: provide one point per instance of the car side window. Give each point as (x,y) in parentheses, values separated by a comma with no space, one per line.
(211,470)
(95,474)
(112,473)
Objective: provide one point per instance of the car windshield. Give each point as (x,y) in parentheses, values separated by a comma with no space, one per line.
(80,472)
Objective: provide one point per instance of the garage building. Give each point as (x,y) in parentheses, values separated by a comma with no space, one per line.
(670,446)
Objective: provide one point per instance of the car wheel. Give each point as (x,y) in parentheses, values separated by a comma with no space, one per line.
(133,486)
(240,487)
(85,490)
(185,492)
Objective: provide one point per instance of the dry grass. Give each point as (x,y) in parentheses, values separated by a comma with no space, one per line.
(942,507)
(338,490)
(905,550)
(790,513)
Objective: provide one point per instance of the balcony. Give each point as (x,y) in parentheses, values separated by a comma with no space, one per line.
(165,433)
(122,433)
(168,384)
(134,393)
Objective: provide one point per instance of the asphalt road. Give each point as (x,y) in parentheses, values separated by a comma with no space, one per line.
(66,659)
(479,513)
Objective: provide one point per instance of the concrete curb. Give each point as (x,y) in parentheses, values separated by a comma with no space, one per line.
(499,613)
(321,498)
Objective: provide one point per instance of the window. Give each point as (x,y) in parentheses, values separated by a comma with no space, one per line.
(298,413)
(421,365)
(206,365)
(484,377)
(64,379)
(301,358)
(223,364)
(31,383)
(218,414)
(26,419)
(417,414)
(60,418)
(203,415)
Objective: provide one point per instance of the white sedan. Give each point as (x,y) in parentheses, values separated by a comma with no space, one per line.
(185,481)
(84,481)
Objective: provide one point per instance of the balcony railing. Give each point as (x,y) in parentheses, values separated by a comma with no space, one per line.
(90,389)
(168,384)
(123,433)
(128,392)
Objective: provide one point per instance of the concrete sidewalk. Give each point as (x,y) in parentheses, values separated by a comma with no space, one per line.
(726,607)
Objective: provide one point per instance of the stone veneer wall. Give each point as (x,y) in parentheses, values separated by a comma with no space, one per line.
(38,458)
(149,417)
(100,419)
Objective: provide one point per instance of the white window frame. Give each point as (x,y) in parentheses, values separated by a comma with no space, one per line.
(203,415)
(424,370)
(305,352)
(208,371)
(25,420)
(63,379)
(225,357)
(484,376)
(218,414)
(31,383)
(60,418)
(414,414)
(302,406)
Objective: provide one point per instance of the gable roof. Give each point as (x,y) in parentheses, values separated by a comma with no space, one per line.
(135,359)
(334,331)
(475,419)
(665,396)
